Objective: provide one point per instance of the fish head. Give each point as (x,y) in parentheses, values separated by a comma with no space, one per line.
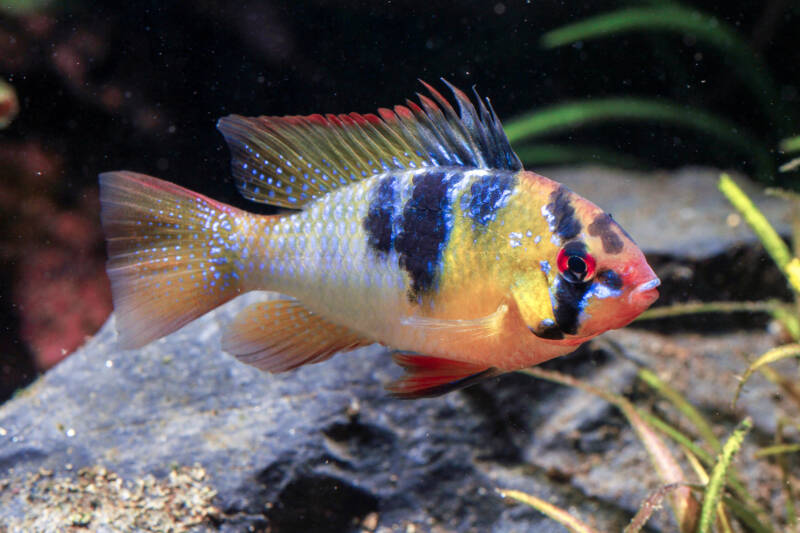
(596,276)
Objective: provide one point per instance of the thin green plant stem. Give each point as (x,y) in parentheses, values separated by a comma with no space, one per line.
(756,523)
(771,356)
(777,449)
(675,18)
(548,509)
(675,398)
(716,482)
(786,480)
(734,480)
(772,242)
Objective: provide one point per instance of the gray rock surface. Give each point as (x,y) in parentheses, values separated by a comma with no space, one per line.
(680,214)
(324,448)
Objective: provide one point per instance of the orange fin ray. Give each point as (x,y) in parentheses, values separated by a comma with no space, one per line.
(281,335)
(428,376)
(165,270)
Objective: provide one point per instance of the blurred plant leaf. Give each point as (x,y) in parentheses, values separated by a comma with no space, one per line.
(772,242)
(777,449)
(675,18)
(679,402)
(790,144)
(561,117)
(24,6)
(548,509)
(716,482)
(776,354)
(549,154)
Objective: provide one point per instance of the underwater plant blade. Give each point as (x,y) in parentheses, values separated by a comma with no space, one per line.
(548,509)
(771,356)
(680,403)
(716,482)
(790,144)
(570,115)
(772,242)
(706,28)
(559,154)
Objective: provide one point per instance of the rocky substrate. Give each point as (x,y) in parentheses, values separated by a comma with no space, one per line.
(178,434)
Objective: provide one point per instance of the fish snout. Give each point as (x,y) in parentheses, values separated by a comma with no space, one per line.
(645,293)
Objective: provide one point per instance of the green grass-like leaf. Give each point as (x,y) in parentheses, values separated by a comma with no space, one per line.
(716,482)
(562,117)
(548,509)
(790,144)
(688,410)
(558,154)
(772,242)
(777,449)
(776,354)
(675,18)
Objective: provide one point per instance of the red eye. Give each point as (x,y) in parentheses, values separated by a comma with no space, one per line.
(575,264)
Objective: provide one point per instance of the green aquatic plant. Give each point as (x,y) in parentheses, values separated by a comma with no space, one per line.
(723,491)
(668,17)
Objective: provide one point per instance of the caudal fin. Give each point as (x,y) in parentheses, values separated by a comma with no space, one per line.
(171,254)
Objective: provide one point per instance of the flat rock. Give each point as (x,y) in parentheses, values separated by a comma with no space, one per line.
(681,214)
(324,448)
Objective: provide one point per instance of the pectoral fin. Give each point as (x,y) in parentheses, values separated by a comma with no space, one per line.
(281,335)
(531,292)
(428,376)
(485,326)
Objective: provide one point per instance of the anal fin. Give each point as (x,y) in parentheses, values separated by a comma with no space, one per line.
(280,335)
(428,376)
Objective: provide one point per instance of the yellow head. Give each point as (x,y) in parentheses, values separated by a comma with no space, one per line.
(589,268)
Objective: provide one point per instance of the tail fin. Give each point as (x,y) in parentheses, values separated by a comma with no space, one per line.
(172,254)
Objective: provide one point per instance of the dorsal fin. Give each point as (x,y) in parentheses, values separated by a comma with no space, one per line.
(288,161)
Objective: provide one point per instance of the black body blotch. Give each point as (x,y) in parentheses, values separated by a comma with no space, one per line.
(488,195)
(603,226)
(379,220)
(567,225)
(424,229)
(568,305)
(548,331)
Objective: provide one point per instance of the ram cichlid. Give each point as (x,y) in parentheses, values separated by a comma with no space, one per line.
(416,228)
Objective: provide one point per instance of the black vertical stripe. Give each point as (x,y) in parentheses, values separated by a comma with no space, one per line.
(424,229)
(567,225)
(379,220)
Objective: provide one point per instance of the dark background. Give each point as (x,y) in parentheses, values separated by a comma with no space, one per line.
(140,85)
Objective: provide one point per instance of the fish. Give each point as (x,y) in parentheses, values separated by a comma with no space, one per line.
(416,228)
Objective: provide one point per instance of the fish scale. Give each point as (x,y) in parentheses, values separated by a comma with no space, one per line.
(416,228)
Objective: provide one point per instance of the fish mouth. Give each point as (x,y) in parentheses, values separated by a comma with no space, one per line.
(647,285)
(645,293)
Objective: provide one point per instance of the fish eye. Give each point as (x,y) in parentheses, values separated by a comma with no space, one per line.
(575,264)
